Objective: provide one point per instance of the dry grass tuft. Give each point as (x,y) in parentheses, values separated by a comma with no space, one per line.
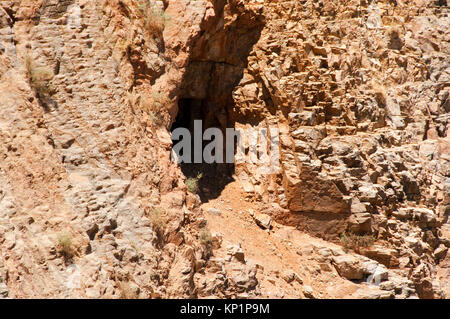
(39,77)
(154,104)
(158,220)
(153,17)
(205,237)
(65,245)
(356,242)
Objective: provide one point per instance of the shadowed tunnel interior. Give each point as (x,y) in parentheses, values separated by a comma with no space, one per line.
(214,176)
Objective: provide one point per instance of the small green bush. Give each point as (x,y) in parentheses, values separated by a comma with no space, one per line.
(192,183)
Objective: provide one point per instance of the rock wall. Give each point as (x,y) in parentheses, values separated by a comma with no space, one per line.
(360,93)
(87,160)
(89,89)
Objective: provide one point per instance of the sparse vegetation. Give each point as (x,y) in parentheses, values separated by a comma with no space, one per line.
(133,98)
(153,104)
(155,119)
(154,18)
(205,237)
(158,219)
(356,242)
(39,77)
(65,245)
(192,183)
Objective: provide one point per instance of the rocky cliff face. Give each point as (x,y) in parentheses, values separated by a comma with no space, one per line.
(359,92)
(91,205)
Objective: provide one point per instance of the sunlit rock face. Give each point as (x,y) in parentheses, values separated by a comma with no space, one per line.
(92,206)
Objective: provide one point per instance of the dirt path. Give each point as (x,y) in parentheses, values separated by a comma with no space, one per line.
(276,253)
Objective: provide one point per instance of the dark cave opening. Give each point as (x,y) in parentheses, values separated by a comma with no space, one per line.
(216,66)
(214,176)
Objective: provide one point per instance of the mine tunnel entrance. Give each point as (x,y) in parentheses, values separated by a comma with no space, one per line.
(217,62)
(211,178)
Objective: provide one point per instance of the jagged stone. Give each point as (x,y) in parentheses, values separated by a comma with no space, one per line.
(262,220)
(348,267)
(89,92)
(236,252)
(308,292)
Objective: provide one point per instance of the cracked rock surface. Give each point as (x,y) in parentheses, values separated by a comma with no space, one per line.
(91,206)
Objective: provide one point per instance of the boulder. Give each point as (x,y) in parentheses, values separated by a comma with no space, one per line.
(383,255)
(262,220)
(308,292)
(348,267)
(368,193)
(440,252)
(214,211)
(425,217)
(360,223)
(236,252)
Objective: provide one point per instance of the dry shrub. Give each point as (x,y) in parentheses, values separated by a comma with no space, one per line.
(158,220)
(192,183)
(356,242)
(205,237)
(154,104)
(65,245)
(133,98)
(39,77)
(153,17)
